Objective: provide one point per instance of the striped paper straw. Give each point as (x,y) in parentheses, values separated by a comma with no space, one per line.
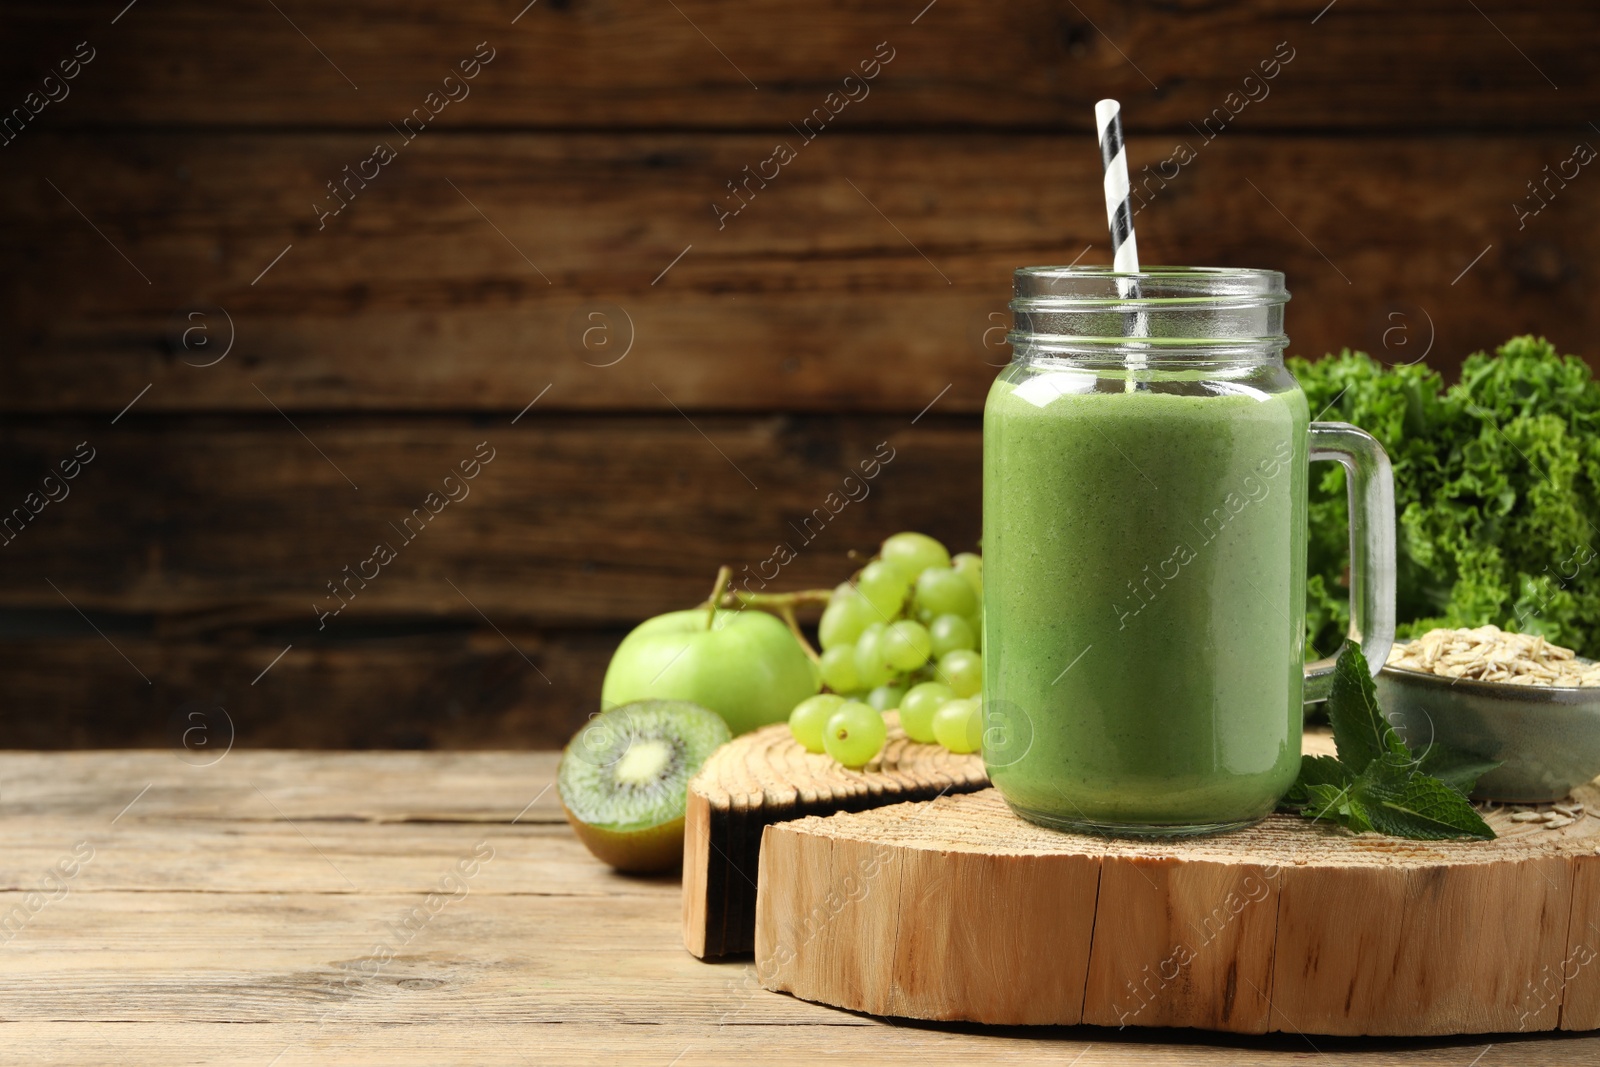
(1119,208)
(1119,214)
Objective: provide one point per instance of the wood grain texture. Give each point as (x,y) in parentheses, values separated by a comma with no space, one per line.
(641,1040)
(764,777)
(598,63)
(870,274)
(324,787)
(493,627)
(446,687)
(1577,978)
(572,522)
(211,926)
(1285,926)
(524,239)
(1152,905)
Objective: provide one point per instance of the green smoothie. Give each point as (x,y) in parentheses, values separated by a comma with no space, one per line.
(1144,597)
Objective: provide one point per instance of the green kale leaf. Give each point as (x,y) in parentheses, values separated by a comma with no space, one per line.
(1497,492)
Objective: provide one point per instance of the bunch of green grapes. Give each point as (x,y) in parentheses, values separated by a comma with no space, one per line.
(906,633)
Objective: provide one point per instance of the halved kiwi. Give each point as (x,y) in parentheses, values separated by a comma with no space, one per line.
(624,779)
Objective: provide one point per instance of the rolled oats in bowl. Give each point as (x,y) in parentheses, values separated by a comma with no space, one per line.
(1490,654)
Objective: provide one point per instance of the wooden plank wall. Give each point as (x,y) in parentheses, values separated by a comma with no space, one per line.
(277,338)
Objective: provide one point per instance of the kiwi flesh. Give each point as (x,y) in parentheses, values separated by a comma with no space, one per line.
(624,780)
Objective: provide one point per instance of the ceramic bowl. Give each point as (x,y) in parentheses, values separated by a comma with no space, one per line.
(1546,739)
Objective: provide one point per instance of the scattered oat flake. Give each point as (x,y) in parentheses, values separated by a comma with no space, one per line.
(1490,654)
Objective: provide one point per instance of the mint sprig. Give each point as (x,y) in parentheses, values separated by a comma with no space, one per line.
(1377,782)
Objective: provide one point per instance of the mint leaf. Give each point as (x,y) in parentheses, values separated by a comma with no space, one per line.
(1456,769)
(1376,783)
(1317,770)
(1403,802)
(1336,803)
(1360,731)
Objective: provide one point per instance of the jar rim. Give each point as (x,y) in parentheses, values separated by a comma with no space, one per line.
(1101,270)
(1100,285)
(1160,311)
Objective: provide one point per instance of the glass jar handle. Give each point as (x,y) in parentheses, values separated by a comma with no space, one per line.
(1371,483)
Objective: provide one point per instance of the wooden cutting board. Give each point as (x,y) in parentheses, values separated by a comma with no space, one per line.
(765,777)
(928,899)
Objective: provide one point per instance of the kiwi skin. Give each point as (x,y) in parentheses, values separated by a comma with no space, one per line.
(654,851)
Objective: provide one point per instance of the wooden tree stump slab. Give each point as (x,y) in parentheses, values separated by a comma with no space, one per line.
(955,909)
(765,777)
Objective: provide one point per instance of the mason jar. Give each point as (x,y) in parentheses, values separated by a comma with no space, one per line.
(1144,537)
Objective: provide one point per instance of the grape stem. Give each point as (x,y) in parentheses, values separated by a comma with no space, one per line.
(780,604)
(776,601)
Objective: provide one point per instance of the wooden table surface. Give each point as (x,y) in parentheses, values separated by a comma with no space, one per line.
(281,908)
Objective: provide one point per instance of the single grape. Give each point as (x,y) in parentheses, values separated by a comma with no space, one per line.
(951,632)
(941,591)
(884,585)
(976,622)
(855,733)
(843,620)
(905,645)
(872,669)
(810,717)
(972,568)
(838,668)
(957,726)
(915,552)
(886,697)
(962,671)
(918,706)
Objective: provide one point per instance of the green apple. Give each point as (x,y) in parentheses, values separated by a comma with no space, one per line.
(745,665)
